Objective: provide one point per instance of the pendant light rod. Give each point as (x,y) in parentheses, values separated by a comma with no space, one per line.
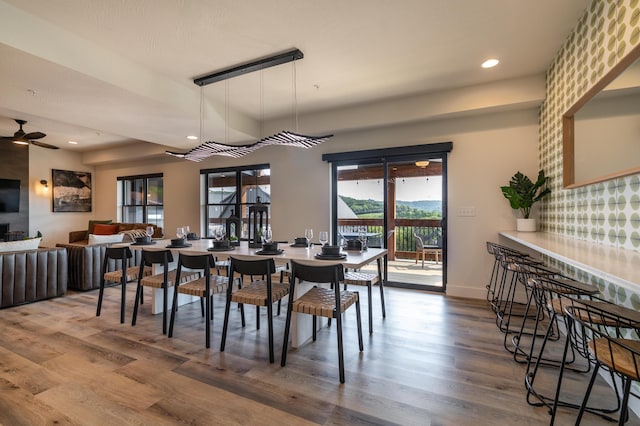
(260,64)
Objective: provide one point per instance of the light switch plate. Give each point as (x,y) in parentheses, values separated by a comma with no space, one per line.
(467,211)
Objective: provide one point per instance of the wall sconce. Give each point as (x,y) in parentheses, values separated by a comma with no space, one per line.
(45,185)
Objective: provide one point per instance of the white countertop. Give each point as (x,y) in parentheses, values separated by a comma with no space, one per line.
(616,265)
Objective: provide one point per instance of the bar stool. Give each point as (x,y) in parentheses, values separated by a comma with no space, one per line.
(117,255)
(204,287)
(329,303)
(262,292)
(553,296)
(163,280)
(600,329)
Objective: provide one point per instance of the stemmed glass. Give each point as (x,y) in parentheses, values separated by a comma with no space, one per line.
(323,237)
(268,235)
(180,232)
(217,233)
(308,234)
(362,236)
(149,231)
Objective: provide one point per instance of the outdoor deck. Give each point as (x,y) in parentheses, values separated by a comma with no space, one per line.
(407,271)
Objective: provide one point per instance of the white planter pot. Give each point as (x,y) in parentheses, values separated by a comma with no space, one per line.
(526,225)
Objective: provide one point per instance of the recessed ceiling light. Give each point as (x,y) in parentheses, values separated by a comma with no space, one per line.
(73,142)
(490,63)
(192,137)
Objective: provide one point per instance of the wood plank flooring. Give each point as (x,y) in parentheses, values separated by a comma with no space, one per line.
(433,361)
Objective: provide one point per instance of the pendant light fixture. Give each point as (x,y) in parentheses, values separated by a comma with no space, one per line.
(285,137)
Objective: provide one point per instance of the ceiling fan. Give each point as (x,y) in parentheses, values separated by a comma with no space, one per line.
(22,138)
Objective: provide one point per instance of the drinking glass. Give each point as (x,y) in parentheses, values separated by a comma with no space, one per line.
(362,236)
(180,232)
(268,235)
(308,234)
(323,237)
(149,231)
(217,234)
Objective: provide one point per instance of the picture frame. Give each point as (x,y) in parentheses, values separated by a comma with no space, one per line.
(71,191)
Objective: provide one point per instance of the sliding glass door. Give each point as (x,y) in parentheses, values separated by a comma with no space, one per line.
(399,202)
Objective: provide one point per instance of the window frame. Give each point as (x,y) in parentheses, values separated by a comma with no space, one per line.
(146,207)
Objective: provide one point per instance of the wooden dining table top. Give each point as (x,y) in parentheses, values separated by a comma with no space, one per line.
(354,258)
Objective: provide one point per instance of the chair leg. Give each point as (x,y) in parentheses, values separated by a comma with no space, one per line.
(338,317)
(174,308)
(226,324)
(381,284)
(315,326)
(588,393)
(123,286)
(165,306)
(287,328)
(370,308)
(270,326)
(202,306)
(100,296)
(207,322)
(359,323)
(257,317)
(135,304)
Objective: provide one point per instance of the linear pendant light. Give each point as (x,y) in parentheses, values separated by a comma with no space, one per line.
(210,148)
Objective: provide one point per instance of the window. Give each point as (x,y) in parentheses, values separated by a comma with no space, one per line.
(141,199)
(231,191)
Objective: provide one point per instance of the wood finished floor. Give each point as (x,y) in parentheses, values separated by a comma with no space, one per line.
(434,361)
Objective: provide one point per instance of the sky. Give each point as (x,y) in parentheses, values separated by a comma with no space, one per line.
(407,189)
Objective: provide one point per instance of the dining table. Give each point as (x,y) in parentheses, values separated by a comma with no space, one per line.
(301,325)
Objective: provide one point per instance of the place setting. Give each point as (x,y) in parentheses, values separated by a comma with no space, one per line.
(269,247)
(220,243)
(146,240)
(329,252)
(359,245)
(181,241)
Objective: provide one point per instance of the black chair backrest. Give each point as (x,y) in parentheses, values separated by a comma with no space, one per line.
(118,253)
(317,274)
(265,266)
(156,256)
(201,261)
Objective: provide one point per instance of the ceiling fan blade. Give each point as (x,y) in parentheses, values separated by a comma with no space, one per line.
(34,135)
(43,145)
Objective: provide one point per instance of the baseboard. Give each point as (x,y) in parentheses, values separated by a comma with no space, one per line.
(468,292)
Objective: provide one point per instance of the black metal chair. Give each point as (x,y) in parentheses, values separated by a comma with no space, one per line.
(263,292)
(115,256)
(324,302)
(602,329)
(204,287)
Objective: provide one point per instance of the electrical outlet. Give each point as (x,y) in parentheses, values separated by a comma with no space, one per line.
(466,211)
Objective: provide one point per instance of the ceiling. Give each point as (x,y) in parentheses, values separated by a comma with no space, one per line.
(111,72)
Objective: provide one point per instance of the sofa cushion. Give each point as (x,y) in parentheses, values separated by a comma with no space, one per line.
(100,239)
(104,229)
(20,245)
(93,222)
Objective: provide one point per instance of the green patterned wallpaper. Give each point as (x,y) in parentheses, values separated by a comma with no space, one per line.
(607,212)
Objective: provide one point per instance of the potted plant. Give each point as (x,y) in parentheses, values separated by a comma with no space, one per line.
(522,194)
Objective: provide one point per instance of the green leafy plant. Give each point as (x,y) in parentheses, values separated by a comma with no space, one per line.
(522,193)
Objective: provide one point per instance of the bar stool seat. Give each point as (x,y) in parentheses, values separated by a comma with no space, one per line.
(368,280)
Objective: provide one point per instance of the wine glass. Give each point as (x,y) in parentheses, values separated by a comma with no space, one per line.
(362,236)
(323,237)
(268,235)
(180,232)
(217,234)
(149,231)
(308,234)
(187,230)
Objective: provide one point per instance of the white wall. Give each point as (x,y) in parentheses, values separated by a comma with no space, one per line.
(487,151)
(54,227)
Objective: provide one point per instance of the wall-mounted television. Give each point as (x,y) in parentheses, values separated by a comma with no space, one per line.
(9,195)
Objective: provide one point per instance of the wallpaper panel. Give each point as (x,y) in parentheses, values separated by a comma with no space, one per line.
(607,212)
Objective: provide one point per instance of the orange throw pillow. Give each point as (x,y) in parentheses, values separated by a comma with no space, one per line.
(102,229)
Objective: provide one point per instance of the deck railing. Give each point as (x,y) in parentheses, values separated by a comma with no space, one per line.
(402,243)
